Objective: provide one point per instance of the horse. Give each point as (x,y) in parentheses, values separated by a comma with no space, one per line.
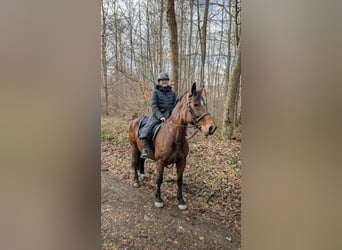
(170,144)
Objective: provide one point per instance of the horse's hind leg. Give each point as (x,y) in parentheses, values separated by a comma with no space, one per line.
(136,165)
(180,169)
(141,165)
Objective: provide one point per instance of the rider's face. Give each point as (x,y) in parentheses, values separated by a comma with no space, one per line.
(164,82)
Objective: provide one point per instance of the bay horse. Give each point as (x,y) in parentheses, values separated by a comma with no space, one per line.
(170,144)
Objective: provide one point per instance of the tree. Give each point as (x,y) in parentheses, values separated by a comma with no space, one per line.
(160,45)
(229,117)
(194,40)
(173,41)
(104,57)
(203,38)
(189,67)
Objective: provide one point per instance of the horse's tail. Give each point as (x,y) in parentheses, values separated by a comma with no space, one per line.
(133,126)
(135,115)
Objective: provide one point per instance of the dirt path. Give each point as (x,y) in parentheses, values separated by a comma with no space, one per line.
(131,221)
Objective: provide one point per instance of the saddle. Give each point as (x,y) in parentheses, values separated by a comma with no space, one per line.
(154,130)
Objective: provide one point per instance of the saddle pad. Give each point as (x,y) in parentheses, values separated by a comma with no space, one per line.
(142,124)
(155,129)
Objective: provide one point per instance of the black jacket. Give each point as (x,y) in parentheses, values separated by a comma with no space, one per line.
(163,100)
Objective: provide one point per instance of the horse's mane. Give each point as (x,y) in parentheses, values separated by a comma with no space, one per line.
(176,112)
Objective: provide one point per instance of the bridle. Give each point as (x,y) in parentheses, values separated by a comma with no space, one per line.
(195,119)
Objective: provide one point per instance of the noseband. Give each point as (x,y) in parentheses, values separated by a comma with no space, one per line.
(195,119)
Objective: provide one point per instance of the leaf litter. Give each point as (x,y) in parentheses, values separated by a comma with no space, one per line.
(212,177)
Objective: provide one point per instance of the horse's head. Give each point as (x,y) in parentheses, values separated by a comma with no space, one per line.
(198,111)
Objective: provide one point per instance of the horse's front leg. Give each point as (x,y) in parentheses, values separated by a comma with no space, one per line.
(160,172)
(180,169)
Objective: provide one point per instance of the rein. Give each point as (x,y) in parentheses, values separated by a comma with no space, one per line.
(184,127)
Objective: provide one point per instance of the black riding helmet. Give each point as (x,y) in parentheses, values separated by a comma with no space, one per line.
(163,76)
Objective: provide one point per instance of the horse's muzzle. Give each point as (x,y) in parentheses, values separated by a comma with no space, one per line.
(211,130)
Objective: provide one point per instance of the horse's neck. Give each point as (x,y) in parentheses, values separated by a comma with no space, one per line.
(175,133)
(177,123)
(178,115)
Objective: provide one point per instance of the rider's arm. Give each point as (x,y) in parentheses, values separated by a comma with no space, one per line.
(155,106)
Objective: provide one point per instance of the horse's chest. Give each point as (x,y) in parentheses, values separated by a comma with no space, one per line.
(170,152)
(176,153)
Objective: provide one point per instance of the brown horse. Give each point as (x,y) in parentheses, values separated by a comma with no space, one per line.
(170,144)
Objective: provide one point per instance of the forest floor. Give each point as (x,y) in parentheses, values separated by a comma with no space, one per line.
(212,190)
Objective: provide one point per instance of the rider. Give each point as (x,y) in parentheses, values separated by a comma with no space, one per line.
(163,100)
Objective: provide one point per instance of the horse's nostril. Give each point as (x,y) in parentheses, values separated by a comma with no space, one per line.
(212,130)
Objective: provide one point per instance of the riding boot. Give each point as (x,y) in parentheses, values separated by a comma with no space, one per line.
(144,151)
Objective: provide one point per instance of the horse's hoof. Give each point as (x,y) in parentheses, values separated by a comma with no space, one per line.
(182,206)
(143,176)
(136,185)
(159,204)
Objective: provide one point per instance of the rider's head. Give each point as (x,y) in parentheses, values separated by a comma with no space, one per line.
(163,79)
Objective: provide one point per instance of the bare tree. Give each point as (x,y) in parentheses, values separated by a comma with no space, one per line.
(193,40)
(160,45)
(190,69)
(103,56)
(229,116)
(173,40)
(237,21)
(181,46)
(203,38)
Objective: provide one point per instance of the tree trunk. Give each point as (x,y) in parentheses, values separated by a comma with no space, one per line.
(181,52)
(103,58)
(231,99)
(172,24)
(161,36)
(237,25)
(203,39)
(229,57)
(190,74)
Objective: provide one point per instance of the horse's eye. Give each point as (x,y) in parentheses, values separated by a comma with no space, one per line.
(195,104)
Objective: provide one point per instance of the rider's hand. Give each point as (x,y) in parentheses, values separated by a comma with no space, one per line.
(163,119)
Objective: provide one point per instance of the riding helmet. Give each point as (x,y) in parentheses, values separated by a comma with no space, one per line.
(163,76)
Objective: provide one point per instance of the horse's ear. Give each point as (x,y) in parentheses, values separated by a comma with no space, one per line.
(193,88)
